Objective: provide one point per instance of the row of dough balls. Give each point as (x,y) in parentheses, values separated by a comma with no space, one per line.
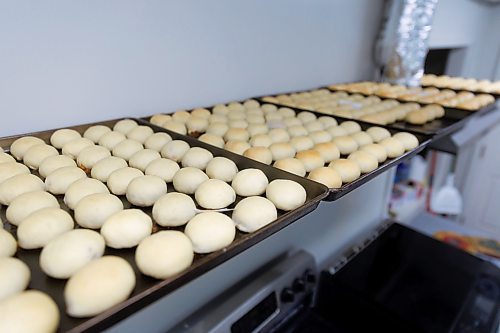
(460,83)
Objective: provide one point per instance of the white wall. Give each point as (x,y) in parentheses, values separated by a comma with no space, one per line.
(68,62)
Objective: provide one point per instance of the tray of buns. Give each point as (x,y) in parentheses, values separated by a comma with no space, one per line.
(461,84)
(340,153)
(100,220)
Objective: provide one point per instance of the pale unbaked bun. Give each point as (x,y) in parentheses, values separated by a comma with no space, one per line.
(306,117)
(267,108)
(286,194)
(260,154)
(220,109)
(111,139)
(25,204)
(237,147)
(314,126)
(217,128)
(393,147)
(212,139)
(4,157)
(127,148)
(66,254)
(21,146)
(157,141)
(236,134)
(176,254)
(105,167)
(301,143)
(351,126)
(345,144)
(197,157)
(142,158)
(201,112)
(81,188)
(366,161)
(17,185)
(175,150)
(281,150)
(126,228)
(336,131)
(140,133)
(328,151)
(96,132)
(238,123)
(250,182)
(279,135)
(297,130)
(11,169)
(143,191)
(311,159)
(376,150)
(327,121)
(291,165)
(8,244)
(37,153)
(253,213)
(181,116)
(378,133)
(251,104)
(39,228)
(286,112)
(119,179)
(362,138)
(124,126)
(196,125)
(408,140)
(89,156)
(29,311)
(261,140)
(214,194)
(173,209)
(187,180)
(326,176)
(349,170)
(93,210)
(59,181)
(159,119)
(210,232)
(14,278)
(73,148)
(175,126)
(61,137)
(221,168)
(98,286)
(163,168)
(53,163)
(320,136)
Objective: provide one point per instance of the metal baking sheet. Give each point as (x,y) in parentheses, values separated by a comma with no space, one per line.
(148,290)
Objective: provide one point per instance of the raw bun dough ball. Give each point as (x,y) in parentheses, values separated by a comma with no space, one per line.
(21,146)
(197,157)
(214,194)
(328,151)
(221,168)
(260,154)
(127,148)
(217,128)
(236,134)
(17,185)
(261,140)
(73,148)
(59,181)
(157,141)
(286,194)
(14,278)
(237,147)
(119,180)
(159,119)
(89,156)
(362,138)
(336,131)
(67,253)
(142,158)
(251,104)
(326,176)
(250,182)
(105,167)
(320,136)
(220,109)
(366,161)
(196,125)
(25,204)
(163,168)
(408,140)
(111,139)
(81,188)
(301,143)
(173,209)
(378,133)
(311,159)
(212,139)
(393,147)
(210,232)
(53,163)
(124,126)
(126,228)
(202,113)
(175,150)
(351,127)
(36,154)
(29,311)
(279,135)
(297,130)
(96,132)
(349,170)
(176,254)
(98,286)
(314,126)
(140,133)
(327,121)
(8,244)
(306,117)
(281,150)
(291,165)
(181,116)
(143,191)
(39,228)
(11,169)
(253,213)
(345,144)
(93,210)
(187,180)
(4,157)
(61,137)
(175,126)
(376,150)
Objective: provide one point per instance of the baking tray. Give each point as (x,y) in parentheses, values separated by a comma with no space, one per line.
(147,289)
